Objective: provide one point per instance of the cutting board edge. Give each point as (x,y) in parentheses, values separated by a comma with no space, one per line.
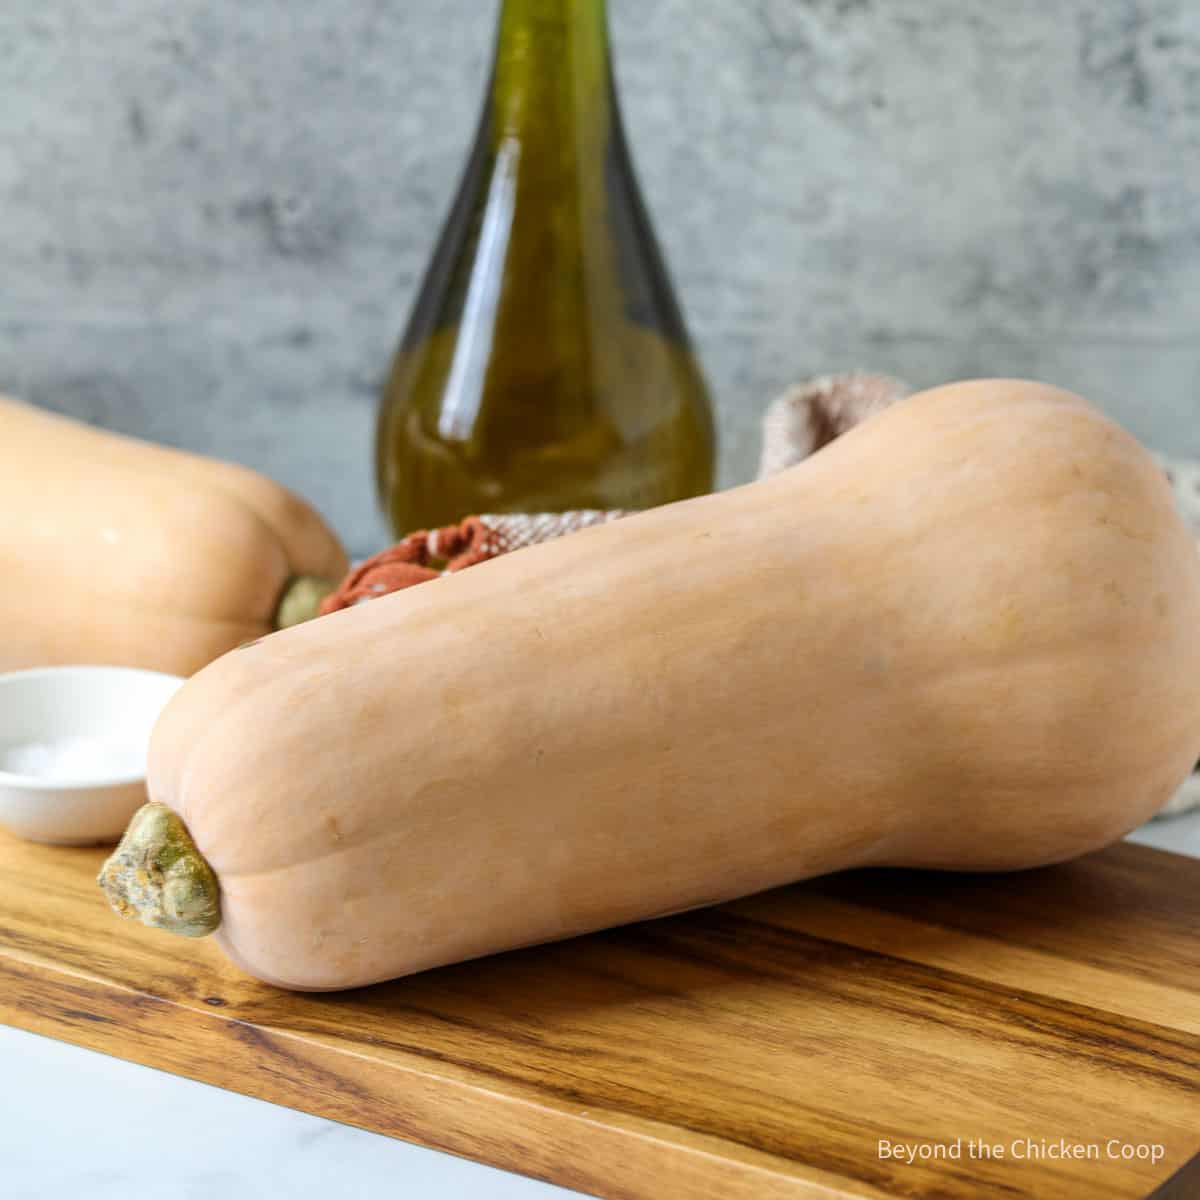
(1184,1184)
(626,1172)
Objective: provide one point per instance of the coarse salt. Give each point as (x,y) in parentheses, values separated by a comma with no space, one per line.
(76,759)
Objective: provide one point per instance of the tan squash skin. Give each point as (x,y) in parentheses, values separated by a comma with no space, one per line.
(122,552)
(965,635)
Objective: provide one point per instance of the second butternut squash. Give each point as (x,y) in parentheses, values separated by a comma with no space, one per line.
(120,552)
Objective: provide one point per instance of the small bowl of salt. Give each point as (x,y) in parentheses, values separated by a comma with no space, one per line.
(73,746)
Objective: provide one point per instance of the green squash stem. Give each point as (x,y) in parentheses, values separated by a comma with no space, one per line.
(301,600)
(157,875)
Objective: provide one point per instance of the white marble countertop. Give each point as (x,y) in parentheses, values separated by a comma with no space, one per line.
(76,1123)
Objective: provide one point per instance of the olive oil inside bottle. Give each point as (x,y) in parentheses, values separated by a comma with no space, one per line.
(546,365)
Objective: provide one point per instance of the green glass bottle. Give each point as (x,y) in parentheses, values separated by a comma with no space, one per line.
(546,365)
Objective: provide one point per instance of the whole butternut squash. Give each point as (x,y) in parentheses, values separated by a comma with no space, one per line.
(122,552)
(962,636)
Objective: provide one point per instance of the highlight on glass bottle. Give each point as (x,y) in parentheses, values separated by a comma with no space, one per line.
(545,365)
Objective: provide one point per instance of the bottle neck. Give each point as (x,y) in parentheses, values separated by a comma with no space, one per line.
(551,78)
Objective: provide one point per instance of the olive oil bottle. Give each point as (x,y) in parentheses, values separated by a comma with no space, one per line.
(546,365)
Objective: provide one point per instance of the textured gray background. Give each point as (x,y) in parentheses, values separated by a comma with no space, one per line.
(213,216)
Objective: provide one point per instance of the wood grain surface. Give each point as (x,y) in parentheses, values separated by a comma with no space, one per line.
(761,1049)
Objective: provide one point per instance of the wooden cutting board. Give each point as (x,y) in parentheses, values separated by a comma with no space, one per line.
(761,1049)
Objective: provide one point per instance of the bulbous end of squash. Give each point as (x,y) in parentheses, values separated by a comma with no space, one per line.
(158,876)
(301,600)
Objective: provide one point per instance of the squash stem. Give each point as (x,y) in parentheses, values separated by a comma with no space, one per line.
(301,600)
(157,875)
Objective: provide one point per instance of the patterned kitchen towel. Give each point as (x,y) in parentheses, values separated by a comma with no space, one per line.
(429,553)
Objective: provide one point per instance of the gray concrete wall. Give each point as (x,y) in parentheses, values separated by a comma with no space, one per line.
(213,216)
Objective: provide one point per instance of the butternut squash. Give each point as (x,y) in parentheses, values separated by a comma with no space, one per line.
(121,552)
(962,636)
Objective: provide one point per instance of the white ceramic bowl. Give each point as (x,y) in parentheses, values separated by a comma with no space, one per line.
(100,714)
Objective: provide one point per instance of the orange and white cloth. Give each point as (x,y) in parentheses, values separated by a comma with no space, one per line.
(429,553)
